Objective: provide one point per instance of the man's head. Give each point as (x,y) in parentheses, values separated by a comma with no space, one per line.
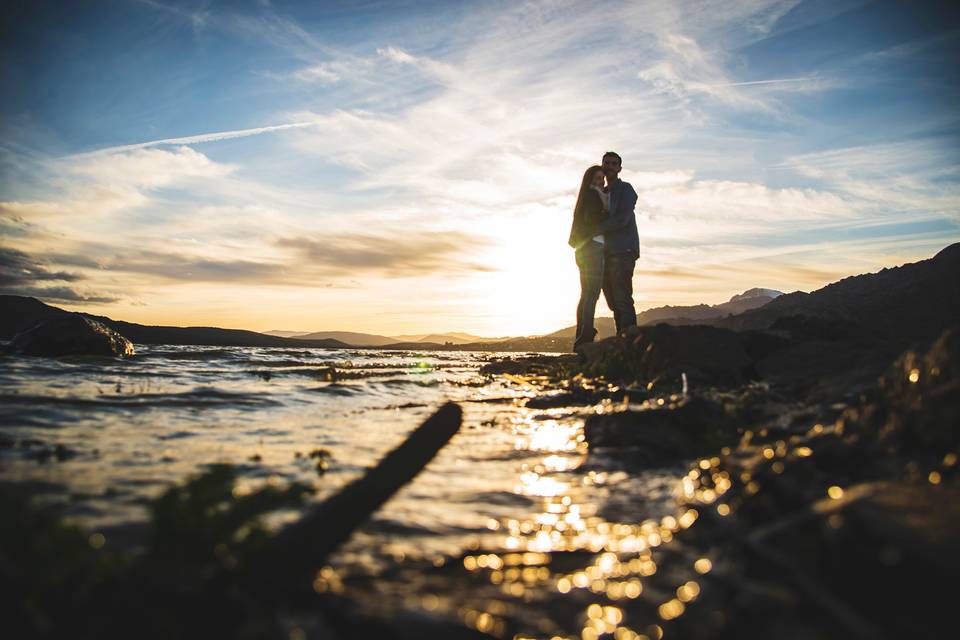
(612,163)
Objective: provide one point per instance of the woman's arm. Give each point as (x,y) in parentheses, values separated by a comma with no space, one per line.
(586,218)
(593,213)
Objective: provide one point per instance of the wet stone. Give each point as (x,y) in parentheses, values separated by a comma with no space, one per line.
(70,335)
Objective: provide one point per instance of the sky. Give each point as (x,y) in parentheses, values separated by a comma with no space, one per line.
(411,167)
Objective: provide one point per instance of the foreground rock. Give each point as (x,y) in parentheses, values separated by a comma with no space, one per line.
(70,335)
(853,518)
(804,356)
(665,354)
(657,435)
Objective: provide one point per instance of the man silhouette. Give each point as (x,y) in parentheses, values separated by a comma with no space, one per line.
(621,245)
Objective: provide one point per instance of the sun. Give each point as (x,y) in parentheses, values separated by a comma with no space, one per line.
(535,286)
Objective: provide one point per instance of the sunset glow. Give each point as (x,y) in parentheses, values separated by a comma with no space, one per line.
(411,168)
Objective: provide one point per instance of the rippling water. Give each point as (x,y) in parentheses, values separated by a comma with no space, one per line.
(468,538)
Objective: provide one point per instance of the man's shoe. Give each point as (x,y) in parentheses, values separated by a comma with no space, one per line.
(629,332)
(584,340)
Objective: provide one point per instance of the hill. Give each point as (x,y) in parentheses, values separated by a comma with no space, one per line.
(916,301)
(285,334)
(21,313)
(453,337)
(350,337)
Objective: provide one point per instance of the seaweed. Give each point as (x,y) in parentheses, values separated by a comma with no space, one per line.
(192,577)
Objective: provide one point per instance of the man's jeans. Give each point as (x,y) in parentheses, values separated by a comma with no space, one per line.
(618,288)
(590,261)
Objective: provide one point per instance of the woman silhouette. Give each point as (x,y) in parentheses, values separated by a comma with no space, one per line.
(592,207)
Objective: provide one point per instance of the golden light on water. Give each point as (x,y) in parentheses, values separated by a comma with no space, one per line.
(671,609)
(703,566)
(620,554)
(327,580)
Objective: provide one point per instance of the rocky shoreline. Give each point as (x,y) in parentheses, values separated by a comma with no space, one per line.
(832,501)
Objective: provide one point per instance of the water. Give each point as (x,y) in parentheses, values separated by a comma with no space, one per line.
(515,487)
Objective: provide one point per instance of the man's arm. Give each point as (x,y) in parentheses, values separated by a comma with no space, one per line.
(624,214)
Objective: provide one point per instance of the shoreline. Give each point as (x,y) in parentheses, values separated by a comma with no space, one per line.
(744,550)
(830,511)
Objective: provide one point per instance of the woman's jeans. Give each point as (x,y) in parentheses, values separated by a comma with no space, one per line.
(590,261)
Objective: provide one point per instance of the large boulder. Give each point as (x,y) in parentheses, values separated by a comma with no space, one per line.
(70,335)
(662,354)
(661,435)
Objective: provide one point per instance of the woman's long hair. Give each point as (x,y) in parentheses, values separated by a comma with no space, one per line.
(585,187)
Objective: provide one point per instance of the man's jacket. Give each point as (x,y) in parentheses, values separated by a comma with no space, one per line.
(619,228)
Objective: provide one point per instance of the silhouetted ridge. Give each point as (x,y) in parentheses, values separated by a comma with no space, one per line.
(22,313)
(913,302)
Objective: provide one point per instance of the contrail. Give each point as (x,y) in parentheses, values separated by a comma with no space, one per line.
(744,84)
(203,137)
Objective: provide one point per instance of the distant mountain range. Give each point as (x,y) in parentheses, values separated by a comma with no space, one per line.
(915,300)
(695,314)
(374,340)
(750,299)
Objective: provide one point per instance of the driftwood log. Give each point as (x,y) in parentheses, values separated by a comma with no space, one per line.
(304,546)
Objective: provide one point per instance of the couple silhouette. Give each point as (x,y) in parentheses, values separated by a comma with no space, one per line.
(604,235)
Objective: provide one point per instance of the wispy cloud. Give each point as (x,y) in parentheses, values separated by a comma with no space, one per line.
(914,176)
(199,138)
(94,185)
(394,254)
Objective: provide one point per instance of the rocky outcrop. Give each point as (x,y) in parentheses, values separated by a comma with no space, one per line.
(20,313)
(659,435)
(664,354)
(852,512)
(70,335)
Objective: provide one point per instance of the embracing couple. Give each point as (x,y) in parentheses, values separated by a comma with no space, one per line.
(604,235)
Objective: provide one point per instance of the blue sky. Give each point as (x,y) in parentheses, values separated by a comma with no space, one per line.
(401,167)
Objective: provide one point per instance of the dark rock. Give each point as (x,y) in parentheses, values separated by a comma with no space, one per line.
(21,313)
(828,368)
(662,354)
(821,327)
(526,365)
(678,430)
(572,398)
(71,334)
(857,515)
(920,406)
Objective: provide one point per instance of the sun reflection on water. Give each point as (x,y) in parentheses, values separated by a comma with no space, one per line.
(618,557)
